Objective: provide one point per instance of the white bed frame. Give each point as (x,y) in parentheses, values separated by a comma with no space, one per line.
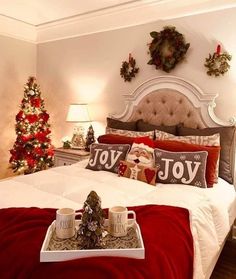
(205,103)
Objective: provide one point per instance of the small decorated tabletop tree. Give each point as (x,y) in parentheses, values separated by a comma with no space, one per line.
(90,234)
(32,150)
(89,138)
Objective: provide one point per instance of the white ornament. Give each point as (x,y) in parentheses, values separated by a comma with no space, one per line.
(31,92)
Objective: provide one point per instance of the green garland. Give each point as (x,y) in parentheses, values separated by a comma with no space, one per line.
(128,69)
(217,63)
(167,48)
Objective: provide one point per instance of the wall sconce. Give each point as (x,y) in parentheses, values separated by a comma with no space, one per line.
(78,113)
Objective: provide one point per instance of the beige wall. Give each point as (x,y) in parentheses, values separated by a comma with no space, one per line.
(17,62)
(86,69)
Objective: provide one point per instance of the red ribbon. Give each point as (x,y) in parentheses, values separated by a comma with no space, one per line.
(218,49)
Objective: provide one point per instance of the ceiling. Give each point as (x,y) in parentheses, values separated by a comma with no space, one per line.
(38,12)
(40,21)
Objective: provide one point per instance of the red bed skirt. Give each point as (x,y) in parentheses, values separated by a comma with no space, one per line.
(166,234)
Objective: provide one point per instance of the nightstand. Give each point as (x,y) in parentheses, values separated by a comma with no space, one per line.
(65,157)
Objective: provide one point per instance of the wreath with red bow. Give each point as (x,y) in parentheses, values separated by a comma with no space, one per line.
(217,63)
(128,69)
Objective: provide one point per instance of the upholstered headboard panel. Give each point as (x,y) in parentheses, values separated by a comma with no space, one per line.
(167,107)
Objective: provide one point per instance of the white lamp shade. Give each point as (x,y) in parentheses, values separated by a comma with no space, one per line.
(78,113)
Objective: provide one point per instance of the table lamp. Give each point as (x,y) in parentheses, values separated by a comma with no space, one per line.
(78,113)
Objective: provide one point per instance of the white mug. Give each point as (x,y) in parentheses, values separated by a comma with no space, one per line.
(65,222)
(118,220)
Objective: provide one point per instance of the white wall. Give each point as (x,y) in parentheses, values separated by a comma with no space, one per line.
(86,69)
(17,62)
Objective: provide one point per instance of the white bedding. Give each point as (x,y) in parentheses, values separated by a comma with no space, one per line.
(212,210)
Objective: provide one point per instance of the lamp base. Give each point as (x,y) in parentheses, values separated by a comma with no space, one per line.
(78,141)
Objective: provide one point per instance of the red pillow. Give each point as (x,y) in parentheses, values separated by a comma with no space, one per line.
(212,158)
(118,139)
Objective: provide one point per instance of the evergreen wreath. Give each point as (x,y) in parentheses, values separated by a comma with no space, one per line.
(167,48)
(217,63)
(128,69)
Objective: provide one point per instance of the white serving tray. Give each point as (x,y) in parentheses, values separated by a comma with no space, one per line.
(64,255)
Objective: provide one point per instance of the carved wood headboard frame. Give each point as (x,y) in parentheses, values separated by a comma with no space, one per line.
(203,103)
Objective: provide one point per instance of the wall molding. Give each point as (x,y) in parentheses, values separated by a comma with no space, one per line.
(17,29)
(117,17)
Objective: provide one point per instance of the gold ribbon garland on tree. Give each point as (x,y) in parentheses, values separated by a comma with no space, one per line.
(217,63)
(167,48)
(128,69)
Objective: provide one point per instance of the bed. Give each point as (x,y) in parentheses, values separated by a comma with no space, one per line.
(28,203)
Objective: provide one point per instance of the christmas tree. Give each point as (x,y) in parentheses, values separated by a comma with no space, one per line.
(90,234)
(32,150)
(89,138)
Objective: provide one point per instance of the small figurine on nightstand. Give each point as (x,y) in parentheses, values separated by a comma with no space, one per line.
(66,142)
(89,138)
(91,229)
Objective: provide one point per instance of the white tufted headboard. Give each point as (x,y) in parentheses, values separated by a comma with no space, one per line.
(170,100)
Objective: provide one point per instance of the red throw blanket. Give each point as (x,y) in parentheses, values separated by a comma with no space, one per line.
(166,234)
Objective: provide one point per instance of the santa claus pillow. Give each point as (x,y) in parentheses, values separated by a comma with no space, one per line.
(142,152)
(137,172)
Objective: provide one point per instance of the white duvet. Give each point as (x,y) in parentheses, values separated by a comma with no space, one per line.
(212,211)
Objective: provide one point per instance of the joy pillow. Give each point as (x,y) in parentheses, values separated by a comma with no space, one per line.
(107,156)
(212,158)
(181,167)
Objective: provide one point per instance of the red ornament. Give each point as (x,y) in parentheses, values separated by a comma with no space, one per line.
(31,162)
(42,136)
(32,118)
(19,115)
(38,151)
(44,116)
(47,131)
(36,102)
(26,138)
(218,49)
(50,152)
